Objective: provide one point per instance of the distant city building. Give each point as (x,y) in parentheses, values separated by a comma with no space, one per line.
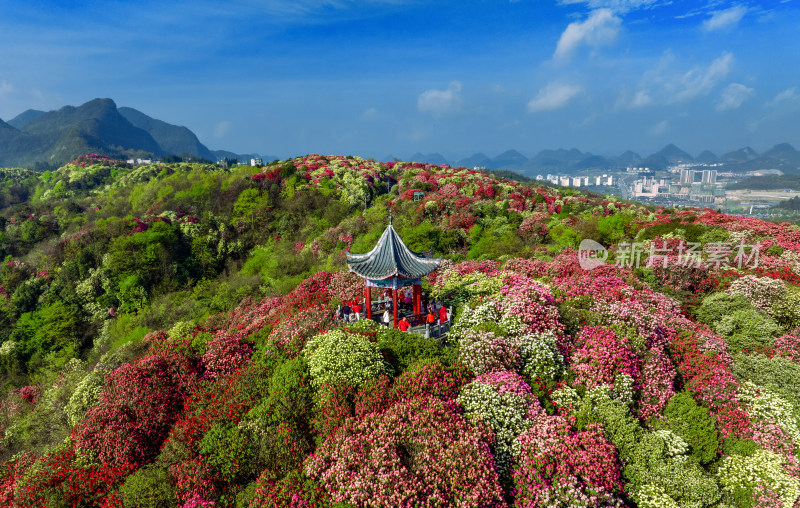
(709,176)
(256,162)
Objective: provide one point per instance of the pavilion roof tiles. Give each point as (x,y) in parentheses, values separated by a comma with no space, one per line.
(391,258)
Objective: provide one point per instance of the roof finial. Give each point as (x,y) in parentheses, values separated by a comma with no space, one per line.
(390,216)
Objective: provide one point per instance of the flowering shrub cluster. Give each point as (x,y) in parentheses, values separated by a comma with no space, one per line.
(336,357)
(418,453)
(554,386)
(505,402)
(552,456)
(600,356)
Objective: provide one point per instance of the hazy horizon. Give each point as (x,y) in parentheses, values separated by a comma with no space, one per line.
(394,77)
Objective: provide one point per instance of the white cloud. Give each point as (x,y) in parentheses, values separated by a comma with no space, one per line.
(659,128)
(700,80)
(788,95)
(727,18)
(601,27)
(785,104)
(553,96)
(370,115)
(6,89)
(221,129)
(620,6)
(641,99)
(733,96)
(668,84)
(441,102)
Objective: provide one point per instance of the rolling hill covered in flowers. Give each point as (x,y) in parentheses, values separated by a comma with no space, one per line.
(168,339)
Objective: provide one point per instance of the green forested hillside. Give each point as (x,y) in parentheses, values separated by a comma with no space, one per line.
(168,339)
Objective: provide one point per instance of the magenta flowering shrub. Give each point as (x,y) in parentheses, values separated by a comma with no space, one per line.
(529,303)
(552,455)
(657,382)
(417,453)
(346,285)
(486,352)
(601,355)
(225,353)
(292,332)
(194,482)
(788,346)
(708,376)
(137,407)
(429,378)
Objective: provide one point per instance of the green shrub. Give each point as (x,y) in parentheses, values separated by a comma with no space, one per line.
(402,348)
(149,487)
(777,374)
(720,304)
(693,424)
(226,448)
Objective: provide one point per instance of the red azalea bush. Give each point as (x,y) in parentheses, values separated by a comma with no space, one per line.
(139,403)
(429,378)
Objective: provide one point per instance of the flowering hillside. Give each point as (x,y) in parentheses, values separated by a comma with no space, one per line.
(169,340)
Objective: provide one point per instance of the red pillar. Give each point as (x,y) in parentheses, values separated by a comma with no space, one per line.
(394,302)
(417,299)
(368,302)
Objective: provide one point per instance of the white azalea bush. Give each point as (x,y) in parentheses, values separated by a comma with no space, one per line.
(339,357)
(504,401)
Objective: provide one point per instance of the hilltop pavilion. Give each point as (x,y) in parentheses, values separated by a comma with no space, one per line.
(392,265)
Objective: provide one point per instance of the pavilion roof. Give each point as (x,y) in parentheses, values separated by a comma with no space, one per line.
(391,258)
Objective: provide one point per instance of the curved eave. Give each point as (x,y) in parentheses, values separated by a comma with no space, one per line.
(391,258)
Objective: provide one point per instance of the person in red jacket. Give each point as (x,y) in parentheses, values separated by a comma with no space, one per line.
(442,314)
(430,318)
(404,325)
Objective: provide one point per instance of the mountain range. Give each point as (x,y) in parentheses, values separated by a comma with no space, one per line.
(40,139)
(46,139)
(782,156)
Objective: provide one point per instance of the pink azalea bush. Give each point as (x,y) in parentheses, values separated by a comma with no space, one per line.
(600,356)
(552,455)
(485,352)
(418,453)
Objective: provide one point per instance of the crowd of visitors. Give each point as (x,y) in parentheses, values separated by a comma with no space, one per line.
(433,311)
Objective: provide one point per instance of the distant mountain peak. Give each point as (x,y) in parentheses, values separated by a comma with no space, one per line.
(23,119)
(673,154)
(707,157)
(172,139)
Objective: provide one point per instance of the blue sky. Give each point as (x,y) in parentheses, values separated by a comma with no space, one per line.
(382,77)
